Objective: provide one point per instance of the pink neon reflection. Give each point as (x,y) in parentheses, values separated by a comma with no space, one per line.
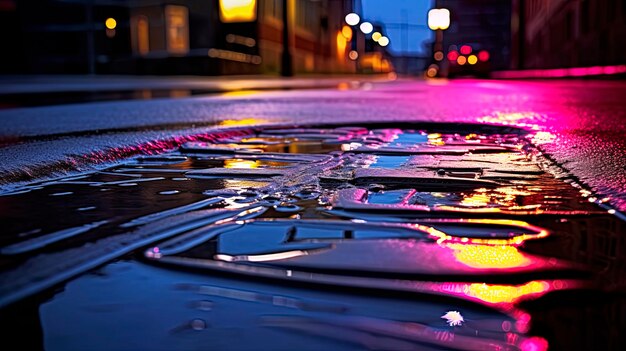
(562,72)
(534,343)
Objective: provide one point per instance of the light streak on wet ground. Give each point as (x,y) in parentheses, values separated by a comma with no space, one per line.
(359,236)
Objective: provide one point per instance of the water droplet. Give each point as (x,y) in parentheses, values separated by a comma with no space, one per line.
(284,207)
(204,305)
(62,194)
(198,324)
(88,208)
(169,192)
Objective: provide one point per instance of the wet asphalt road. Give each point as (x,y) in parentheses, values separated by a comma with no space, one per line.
(583,122)
(59,229)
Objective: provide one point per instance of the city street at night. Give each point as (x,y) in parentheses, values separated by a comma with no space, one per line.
(313,175)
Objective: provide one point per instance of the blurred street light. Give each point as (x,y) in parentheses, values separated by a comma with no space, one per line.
(383,41)
(110,23)
(366,27)
(352,19)
(483,55)
(439,19)
(376,36)
(466,49)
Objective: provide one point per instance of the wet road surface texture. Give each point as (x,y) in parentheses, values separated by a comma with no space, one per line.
(403,236)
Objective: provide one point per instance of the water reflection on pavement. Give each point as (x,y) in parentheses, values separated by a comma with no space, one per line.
(395,237)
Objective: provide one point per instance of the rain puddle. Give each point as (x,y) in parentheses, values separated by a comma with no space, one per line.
(441,236)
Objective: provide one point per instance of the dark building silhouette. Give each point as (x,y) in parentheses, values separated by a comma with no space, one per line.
(566,33)
(171,36)
(481,24)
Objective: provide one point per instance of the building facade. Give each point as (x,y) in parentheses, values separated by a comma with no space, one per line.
(207,37)
(568,33)
(483,25)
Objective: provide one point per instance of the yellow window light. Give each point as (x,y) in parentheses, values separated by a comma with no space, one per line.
(237,11)
(346,32)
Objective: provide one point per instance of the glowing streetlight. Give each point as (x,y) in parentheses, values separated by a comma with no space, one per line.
(439,19)
(352,19)
(366,27)
(376,36)
(110,23)
(383,41)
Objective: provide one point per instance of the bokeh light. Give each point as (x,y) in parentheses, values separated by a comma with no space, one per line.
(110,23)
(466,49)
(352,19)
(453,55)
(483,55)
(366,27)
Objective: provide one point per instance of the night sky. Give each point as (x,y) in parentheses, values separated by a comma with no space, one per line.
(390,13)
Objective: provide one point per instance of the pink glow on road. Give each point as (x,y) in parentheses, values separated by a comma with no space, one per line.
(534,344)
(562,72)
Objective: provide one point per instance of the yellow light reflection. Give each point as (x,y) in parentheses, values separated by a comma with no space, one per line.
(435,139)
(376,36)
(476,200)
(472,59)
(237,11)
(506,196)
(240,122)
(543,138)
(238,93)
(505,293)
(239,163)
(508,118)
(533,232)
(488,256)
